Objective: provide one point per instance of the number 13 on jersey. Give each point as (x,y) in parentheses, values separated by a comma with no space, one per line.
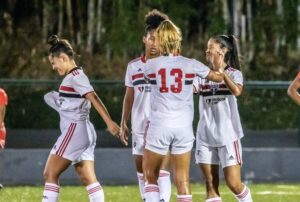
(176,87)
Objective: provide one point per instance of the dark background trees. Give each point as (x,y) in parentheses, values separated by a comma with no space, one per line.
(108,33)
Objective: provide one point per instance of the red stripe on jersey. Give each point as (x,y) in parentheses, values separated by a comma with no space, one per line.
(75,72)
(152,76)
(137,76)
(208,86)
(66,88)
(189,76)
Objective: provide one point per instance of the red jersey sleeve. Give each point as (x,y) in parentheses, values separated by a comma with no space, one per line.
(3,97)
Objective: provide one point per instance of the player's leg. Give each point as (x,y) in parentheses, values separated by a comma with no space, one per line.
(231,162)
(181,173)
(140,176)
(164,180)
(54,167)
(211,177)
(182,144)
(208,160)
(138,151)
(86,172)
(151,165)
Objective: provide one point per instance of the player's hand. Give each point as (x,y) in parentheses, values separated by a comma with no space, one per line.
(219,61)
(123,135)
(113,128)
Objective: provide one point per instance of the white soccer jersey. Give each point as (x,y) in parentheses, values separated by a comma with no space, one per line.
(141,105)
(219,121)
(172,89)
(71,103)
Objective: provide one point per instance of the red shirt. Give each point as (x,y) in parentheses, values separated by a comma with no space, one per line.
(3,97)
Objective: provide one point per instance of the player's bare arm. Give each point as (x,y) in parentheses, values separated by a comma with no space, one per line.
(236,89)
(127,106)
(216,76)
(112,127)
(293,90)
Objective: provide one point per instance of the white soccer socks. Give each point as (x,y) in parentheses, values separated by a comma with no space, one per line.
(141,181)
(96,193)
(215,199)
(164,183)
(184,198)
(151,193)
(51,192)
(245,195)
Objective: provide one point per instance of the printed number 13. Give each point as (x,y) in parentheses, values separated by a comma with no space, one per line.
(175,88)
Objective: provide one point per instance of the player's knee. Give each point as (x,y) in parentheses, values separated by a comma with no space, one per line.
(86,180)
(50,175)
(235,187)
(183,187)
(151,176)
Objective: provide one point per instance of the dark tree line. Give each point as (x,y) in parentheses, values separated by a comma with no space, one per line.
(108,33)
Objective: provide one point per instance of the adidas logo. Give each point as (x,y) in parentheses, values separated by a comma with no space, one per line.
(139,70)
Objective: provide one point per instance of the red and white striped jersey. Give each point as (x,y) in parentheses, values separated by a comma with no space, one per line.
(219,121)
(70,102)
(141,104)
(172,89)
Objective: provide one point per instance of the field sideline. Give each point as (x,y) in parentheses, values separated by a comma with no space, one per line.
(260,193)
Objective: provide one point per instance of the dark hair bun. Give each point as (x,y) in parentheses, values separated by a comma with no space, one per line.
(53,40)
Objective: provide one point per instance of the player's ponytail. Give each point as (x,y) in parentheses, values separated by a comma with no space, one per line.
(169,36)
(230,42)
(59,46)
(234,55)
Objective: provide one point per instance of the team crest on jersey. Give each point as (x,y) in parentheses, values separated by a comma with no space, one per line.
(214,88)
(134,144)
(141,88)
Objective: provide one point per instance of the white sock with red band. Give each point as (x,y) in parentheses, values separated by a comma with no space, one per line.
(96,193)
(141,181)
(164,183)
(215,199)
(51,192)
(184,198)
(245,195)
(151,193)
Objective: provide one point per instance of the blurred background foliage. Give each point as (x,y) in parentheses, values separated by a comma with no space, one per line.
(108,33)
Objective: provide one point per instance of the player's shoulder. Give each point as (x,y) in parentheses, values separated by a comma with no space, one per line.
(2,92)
(76,71)
(140,59)
(232,70)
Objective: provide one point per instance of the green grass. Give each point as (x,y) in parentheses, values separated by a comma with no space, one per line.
(260,193)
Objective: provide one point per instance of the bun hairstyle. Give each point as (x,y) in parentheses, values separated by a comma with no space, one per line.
(153,20)
(59,46)
(230,42)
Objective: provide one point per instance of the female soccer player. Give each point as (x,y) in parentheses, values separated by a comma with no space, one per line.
(170,121)
(137,102)
(293,90)
(219,129)
(78,137)
(3,104)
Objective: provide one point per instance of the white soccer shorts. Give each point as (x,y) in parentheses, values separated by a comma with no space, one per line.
(228,155)
(76,142)
(161,139)
(138,144)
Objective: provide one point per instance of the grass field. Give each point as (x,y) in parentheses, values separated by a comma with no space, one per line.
(260,193)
